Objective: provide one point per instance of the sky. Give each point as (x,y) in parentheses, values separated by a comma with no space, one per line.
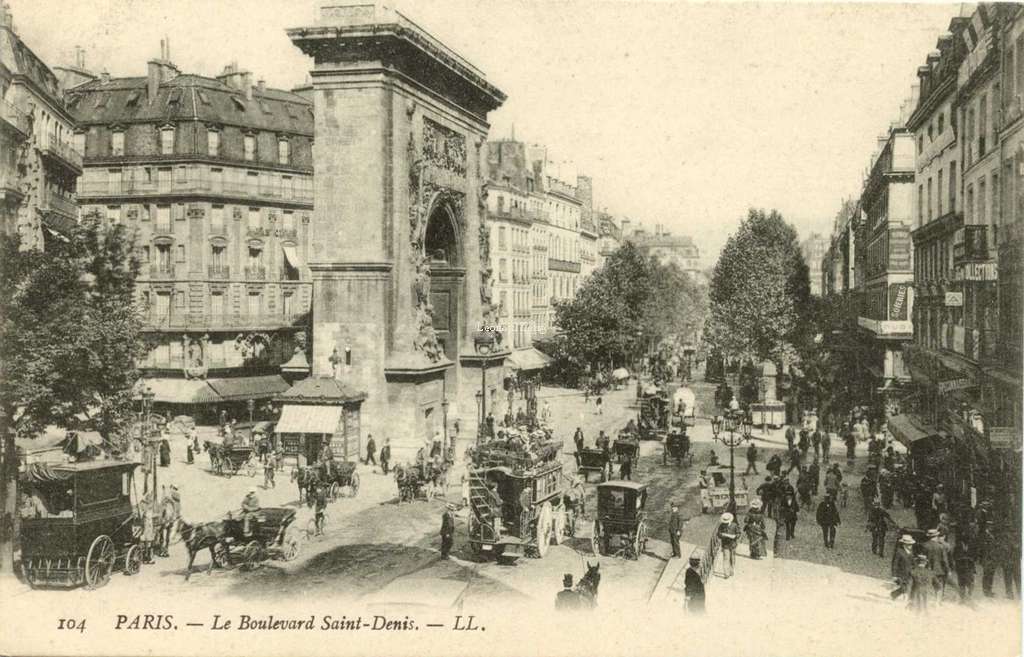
(684,114)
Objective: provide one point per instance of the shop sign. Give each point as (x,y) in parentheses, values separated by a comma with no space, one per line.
(976,272)
(955,299)
(953,385)
(886,327)
(1004,438)
(898,302)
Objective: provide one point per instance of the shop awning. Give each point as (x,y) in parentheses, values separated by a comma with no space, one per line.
(292,257)
(249,387)
(297,418)
(179,391)
(905,430)
(529,359)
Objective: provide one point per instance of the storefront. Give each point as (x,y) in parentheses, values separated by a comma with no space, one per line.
(314,411)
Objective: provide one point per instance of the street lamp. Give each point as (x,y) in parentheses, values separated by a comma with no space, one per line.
(738,429)
(762,386)
(484,343)
(146,405)
(444,423)
(480,411)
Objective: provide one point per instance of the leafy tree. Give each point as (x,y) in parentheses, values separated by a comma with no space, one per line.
(759,293)
(69,331)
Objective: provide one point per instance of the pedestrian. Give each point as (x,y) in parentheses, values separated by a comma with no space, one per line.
(921,585)
(753,527)
(447,530)
(712,459)
(626,468)
(751,458)
(826,446)
(886,488)
(816,443)
(828,518)
(319,511)
(902,565)
(693,584)
(850,439)
(193,437)
(371,450)
(774,465)
(598,402)
(788,513)
(190,457)
(794,461)
(586,393)
(803,487)
(577,438)
(675,529)
(879,522)
(385,455)
(268,474)
(728,533)
(148,511)
(456,426)
(790,437)
(867,491)
(939,500)
(567,599)
(766,492)
(964,564)
(814,472)
(804,444)
(832,481)
(545,414)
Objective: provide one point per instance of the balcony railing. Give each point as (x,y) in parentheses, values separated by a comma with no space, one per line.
(57,203)
(226,321)
(62,150)
(219,271)
(15,117)
(973,246)
(161,271)
(255,273)
(191,185)
(9,182)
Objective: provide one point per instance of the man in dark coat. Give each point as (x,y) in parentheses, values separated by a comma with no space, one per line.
(385,455)
(867,491)
(766,492)
(804,444)
(879,522)
(577,438)
(938,563)
(626,468)
(788,514)
(751,458)
(826,446)
(964,563)
(447,530)
(567,599)
(693,585)
(816,443)
(675,529)
(774,465)
(851,446)
(828,517)
(902,565)
(814,472)
(371,450)
(790,437)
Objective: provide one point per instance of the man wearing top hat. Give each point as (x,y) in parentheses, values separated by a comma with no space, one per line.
(567,599)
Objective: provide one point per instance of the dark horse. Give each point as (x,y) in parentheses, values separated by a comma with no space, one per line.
(307,478)
(586,589)
(198,537)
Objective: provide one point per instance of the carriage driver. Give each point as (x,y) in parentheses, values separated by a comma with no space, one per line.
(250,507)
(567,598)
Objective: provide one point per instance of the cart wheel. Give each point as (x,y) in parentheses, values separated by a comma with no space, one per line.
(253,555)
(250,468)
(229,467)
(558,533)
(353,484)
(133,560)
(542,530)
(291,544)
(595,538)
(100,562)
(639,540)
(222,556)
(334,492)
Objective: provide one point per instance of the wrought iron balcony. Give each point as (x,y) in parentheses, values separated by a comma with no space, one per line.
(255,273)
(62,152)
(191,184)
(222,321)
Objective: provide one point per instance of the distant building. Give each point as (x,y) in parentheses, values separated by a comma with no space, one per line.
(214,175)
(666,247)
(813,249)
(39,166)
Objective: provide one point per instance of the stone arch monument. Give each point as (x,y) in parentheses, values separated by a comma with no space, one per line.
(400,281)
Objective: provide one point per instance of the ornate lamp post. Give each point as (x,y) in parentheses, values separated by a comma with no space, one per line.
(762,386)
(484,343)
(480,411)
(145,406)
(738,429)
(444,423)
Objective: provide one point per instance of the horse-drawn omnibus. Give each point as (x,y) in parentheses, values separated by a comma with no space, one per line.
(78,523)
(516,500)
(621,524)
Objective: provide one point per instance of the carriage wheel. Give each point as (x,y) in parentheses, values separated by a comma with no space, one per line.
(291,544)
(639,540)
(100,562)
(595,539)
(542,530)
(253,555)
(353,484)
(222,556)
(133,560)
(250,468)
(229,467)
(334,492)
(558,533)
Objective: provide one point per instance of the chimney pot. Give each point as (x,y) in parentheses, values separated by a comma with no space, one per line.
(262,86)
(247,85)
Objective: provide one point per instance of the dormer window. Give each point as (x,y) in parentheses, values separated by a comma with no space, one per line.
(203,98)
(167,140)
(284,151)
(249,146)
(133,99)
(239,105)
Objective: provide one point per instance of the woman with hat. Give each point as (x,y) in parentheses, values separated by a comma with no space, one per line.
(753,527)
(728,534)
(693,585)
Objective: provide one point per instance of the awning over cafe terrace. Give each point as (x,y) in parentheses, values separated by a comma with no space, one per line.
(905,430)
(296,418)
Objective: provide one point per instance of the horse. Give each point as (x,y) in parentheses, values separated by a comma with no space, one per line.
(586,588)
(167,520)
(205,535)
(307,479)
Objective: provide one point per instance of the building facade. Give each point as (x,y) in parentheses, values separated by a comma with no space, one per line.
(667,248)
(214,176)
(39,165)
(813,249)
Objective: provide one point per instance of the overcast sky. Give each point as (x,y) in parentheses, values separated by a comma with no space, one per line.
(684,114)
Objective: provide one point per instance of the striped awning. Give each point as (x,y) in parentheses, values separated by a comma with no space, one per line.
(309,419)
(528,359)
(249,387)
(179,391)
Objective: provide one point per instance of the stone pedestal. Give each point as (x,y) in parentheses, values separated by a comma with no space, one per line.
(398,286)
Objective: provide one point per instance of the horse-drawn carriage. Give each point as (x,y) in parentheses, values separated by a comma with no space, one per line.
(654,414)
(621,524)
(230,459)
(422,481)
(626,444)
(271,535)
(715,497)
(593,460)
(335,475)
(677,446)
(77,523)
(517,502)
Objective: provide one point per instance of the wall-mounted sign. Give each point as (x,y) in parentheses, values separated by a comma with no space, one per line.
(886,327)
(1004,437)
(978,272)
(953,385)
(898,301)
(955,299)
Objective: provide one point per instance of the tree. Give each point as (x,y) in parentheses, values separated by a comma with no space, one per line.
(69,337)
(759,292)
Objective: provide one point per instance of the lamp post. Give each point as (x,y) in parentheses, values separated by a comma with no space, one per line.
(146,405)
(479,407)
(484,343)
(762,386)
(738,429)
(444,423)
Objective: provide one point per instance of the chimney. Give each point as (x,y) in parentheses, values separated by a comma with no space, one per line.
(159,70)
(105,76)
(247,84)
(261,85)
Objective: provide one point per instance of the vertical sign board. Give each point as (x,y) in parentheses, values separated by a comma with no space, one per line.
(898,302)
(899,249)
